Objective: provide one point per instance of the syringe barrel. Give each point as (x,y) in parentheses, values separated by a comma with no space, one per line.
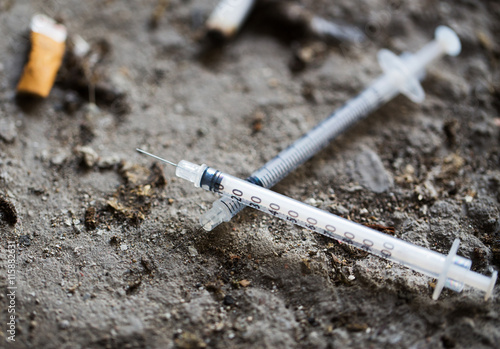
(412,256)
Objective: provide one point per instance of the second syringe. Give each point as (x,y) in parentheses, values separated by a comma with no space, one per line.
(401,75)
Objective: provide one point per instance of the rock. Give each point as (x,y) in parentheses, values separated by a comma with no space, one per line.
(135,327)
(339,210)
(89,155)
(25,240)
(108,161)
(424,138)
(8,131)
(445,209)
(192,251)
(228,300)
(371,172)
(59,158)
(278,328)
(64,324)
(316,340)
(485,214)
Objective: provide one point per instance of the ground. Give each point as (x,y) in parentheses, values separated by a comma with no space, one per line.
(110,253)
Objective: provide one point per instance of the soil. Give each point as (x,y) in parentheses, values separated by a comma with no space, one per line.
(110,253)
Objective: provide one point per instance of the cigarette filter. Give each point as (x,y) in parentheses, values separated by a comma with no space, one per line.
(47,51)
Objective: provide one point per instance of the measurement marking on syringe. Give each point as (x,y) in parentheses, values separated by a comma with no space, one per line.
(368,243)
(275,207)
(331,228)
(312,221)
(350,236)
(256,199)
(308,222)
(388,245)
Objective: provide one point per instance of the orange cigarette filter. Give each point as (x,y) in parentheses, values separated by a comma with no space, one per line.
(47,51)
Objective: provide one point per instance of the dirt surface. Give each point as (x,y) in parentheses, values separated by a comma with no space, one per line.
(110,253)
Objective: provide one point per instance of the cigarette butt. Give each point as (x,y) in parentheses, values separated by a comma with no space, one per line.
(228,17)
(47,51)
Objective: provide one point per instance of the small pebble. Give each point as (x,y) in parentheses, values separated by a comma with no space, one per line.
(228,300)
(64,324)
(59,158)
(88,155)
(192,251)
(8,131)
(108,161)
(25,240)
(371,172)
(311,201)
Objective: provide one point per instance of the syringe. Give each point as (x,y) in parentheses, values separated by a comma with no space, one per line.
(401,75)
(452,271)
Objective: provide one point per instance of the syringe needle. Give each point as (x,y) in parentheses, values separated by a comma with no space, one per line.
(156,157)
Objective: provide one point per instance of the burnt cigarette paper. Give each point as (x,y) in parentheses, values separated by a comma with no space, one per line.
(227,18)
(46,55)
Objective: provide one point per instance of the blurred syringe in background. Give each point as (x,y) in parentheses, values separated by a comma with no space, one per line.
(401,75)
